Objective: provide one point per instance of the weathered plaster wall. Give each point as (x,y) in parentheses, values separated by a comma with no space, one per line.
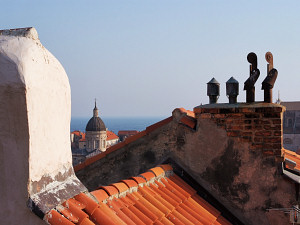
(35,151)
(244,179)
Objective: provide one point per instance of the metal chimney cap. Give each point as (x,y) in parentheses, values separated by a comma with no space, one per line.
(232,81)
(213,81)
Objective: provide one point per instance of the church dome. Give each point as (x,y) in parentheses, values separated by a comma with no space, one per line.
(95,123)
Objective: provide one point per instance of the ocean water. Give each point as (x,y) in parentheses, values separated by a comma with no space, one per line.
(117,123)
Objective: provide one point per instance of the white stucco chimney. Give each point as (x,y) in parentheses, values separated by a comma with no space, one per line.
(35,112)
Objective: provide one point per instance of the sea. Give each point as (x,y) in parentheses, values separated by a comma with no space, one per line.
(117,123)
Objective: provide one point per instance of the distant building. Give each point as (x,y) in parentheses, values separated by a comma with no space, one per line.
(95,141)
(111,139)
(123,134)
(95,133)
(75,137)
(291,125)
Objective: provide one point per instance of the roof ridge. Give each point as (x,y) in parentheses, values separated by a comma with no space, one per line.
(127,141)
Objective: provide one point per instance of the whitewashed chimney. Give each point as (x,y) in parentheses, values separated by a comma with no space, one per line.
(35,112)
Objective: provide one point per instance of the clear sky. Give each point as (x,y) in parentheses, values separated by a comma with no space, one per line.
(146,58)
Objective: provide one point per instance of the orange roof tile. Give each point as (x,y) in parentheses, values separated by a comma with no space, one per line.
(76,132)
(168,200)
(100,195)
(157,171)
(111,190)
(148,175)
(120,186)
(53,217)
(130,183)
(83,137)
(188,112)
(111,135)
(188,121)
(139,180)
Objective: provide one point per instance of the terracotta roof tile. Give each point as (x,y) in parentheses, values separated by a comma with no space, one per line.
(91,205)
(188,112)
(139,180)
(130,183)
(157,171)
(120,186)
(111,135)
(100,195)
(164,201)
(82,137)
(68,214)
(53,217)
(148,175)
(111,190)
(76,132)
(74,202)
(190,122)
(76,211)
(134,217)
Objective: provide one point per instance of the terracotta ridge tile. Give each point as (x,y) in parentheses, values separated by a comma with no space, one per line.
(139,180)
(100,195)
(110,190)
(130,183)
(122,187)
(187,112)
(147,175)
(188,121)
(157,171)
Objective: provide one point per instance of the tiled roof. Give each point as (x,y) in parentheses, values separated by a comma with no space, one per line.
(111,135)
(83,137)
(77,133)
(157,196)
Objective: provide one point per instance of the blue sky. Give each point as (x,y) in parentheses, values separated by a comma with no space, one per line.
(145,58)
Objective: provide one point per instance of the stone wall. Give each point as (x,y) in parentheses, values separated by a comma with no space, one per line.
(258,124)
(233,153)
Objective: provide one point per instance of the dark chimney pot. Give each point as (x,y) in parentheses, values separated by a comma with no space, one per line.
(213,91)
(232,90)
(250,82)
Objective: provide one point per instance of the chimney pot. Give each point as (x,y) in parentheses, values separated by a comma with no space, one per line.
(232,90)
(213,90)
